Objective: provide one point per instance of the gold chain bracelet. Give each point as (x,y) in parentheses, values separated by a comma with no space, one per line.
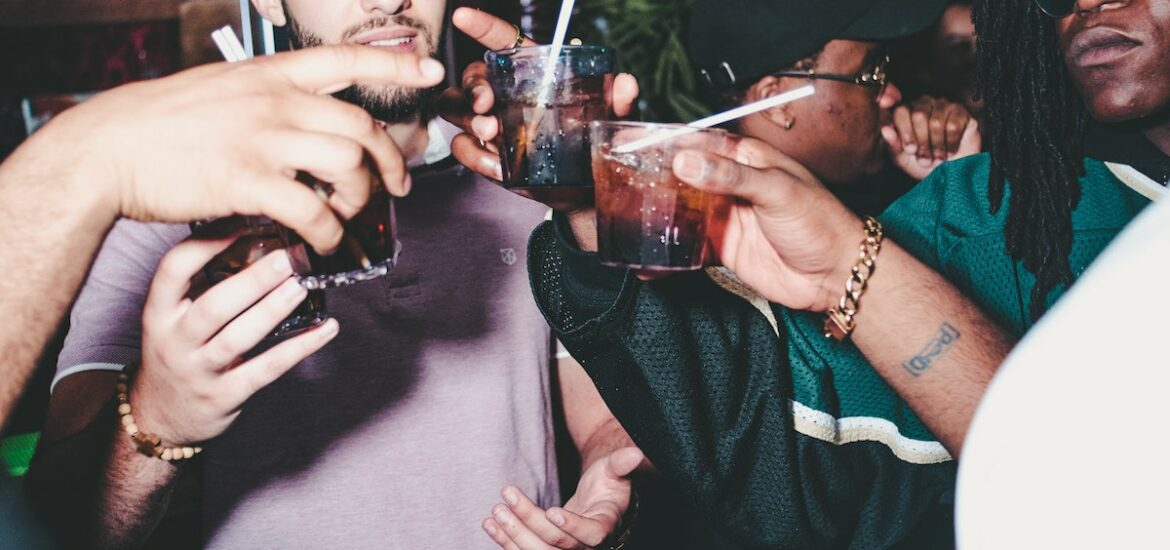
(148,444)
(839,322)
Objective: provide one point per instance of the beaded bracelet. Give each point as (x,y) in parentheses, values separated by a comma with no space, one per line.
(148,444)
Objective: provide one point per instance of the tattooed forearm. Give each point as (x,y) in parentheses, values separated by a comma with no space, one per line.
(933,350)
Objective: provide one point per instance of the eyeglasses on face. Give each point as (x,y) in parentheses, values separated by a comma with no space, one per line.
(875,77)
(1057,8)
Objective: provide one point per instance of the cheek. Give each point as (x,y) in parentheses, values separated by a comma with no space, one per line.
(319,18)
(1143,92)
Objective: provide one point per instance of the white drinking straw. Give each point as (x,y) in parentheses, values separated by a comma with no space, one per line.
(554,53)
(234,42)
(229,44)
(719,118)
(224,48)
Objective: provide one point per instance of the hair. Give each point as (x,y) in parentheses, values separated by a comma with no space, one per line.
(1034,132)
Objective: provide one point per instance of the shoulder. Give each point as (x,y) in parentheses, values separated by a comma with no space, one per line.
(956,188)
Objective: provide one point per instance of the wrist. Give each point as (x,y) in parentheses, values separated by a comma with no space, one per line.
(625,529)
(147,437)
(583,223)
(87,181)
(839,317)
(840,268)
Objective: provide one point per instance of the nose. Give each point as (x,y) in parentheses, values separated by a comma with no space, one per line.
(387,7)
(890,96)
(1090,6)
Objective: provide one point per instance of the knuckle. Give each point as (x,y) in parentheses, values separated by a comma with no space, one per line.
(358,118)
(343,56)
(348,155)
(223,350)
(565,541)
(592,538)
(170,269)
(200,313)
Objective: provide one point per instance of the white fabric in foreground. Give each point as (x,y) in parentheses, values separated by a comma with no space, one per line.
(1068,447)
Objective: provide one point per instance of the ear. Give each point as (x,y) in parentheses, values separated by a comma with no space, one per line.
(272,10)
(766,87)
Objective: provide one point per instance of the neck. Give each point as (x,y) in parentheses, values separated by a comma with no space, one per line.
(410,136)
(1160,136)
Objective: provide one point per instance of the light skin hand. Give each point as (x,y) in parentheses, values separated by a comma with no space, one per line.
(229,138)
(928,132)
(592,514)
(193,381)
(469,105)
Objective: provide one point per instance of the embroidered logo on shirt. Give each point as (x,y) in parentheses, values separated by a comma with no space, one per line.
(508,255)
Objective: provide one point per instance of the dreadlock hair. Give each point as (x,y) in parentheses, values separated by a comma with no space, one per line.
(1034,132)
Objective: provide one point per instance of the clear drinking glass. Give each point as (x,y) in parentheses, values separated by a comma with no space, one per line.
(646,217)
(545,139)
(368,249)
(258,236)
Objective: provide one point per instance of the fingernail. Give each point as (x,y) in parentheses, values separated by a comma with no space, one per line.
(491,529)
(477,92)
(329,328)
(431,68)
(556,518)
(281,263)
(292,291)
(502,516)
(510,498)
(407,183)
(492,165)
(482,125)
(691,166)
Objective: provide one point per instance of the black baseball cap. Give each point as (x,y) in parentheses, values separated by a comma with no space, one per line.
(736,42)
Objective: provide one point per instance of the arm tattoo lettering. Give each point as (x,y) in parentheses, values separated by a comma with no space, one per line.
(933,350)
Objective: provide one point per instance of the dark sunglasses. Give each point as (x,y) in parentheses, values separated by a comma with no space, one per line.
(875,77)
(1057,8)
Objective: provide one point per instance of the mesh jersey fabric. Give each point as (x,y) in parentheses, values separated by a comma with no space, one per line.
(784,438)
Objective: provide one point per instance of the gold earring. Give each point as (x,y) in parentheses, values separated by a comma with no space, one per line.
(788,122)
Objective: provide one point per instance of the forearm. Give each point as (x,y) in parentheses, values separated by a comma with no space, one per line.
(52,221)
(930,343)
(134,495)
(96,488)
(584,225)
(606,438)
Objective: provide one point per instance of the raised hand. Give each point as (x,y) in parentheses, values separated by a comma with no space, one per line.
(193,379)
(229,138)
(592,514)
(469,105)
(928,132)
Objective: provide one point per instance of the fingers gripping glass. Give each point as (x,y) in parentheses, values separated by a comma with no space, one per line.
(875,77)
(1057,8)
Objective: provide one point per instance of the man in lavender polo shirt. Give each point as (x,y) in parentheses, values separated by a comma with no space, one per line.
(399,432)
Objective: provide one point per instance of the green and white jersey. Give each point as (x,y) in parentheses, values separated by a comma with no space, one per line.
(784,438)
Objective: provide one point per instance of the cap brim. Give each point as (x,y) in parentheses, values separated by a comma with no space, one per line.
(888,19)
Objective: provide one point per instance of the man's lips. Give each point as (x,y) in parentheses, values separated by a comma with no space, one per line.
(402,39)
(1100,46)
